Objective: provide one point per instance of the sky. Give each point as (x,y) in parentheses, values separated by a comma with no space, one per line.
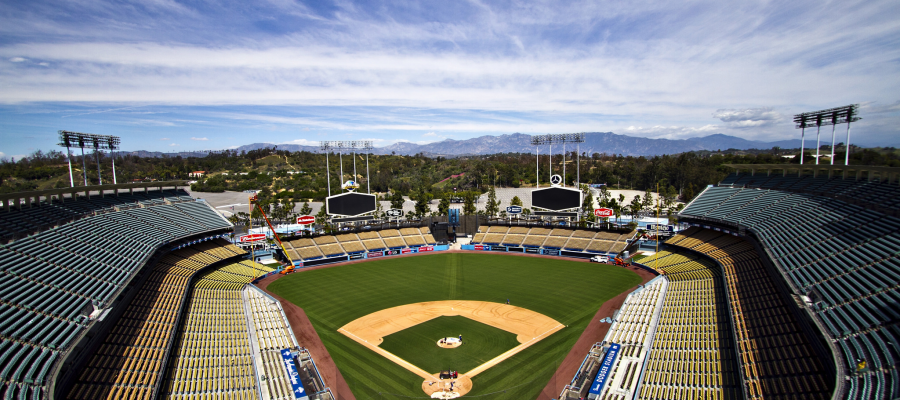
(170,75)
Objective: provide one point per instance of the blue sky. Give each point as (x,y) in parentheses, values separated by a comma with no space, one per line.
(171,75)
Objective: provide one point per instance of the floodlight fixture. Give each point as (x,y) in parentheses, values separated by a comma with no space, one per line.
(550,139)
(832,116)
(340,145)
(70,139)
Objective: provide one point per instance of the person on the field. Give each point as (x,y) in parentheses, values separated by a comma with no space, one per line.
(507,301)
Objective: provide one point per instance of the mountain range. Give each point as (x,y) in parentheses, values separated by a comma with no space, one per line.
(594,142)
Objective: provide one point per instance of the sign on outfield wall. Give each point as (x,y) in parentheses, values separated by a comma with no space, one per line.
(407,251)
(374,254)
(426,248)
(252,238)
(306,220)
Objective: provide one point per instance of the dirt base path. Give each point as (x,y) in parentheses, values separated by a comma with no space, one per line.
(594,333)
(307,337)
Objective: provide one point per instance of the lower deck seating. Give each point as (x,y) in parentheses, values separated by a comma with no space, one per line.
(129,362)
(692,355)
(271,334)
(633,330)
(211,354)
(776,356)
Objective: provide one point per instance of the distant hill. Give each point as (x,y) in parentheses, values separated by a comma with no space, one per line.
(595,142)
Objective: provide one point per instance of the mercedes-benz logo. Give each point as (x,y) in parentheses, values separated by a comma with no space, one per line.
(555,179)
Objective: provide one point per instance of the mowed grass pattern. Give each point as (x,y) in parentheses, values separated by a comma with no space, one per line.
(567,291)
(418,344)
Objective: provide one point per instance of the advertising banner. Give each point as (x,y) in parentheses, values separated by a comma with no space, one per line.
(426,248)
(605,369)
(252,238)
(293,376)
(374,254)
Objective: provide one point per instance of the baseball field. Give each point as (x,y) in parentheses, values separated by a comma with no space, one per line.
(563,294)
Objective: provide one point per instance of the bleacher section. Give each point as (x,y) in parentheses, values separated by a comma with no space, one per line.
(129,362)
(565,239)
(212,354)
(33,218)
(692,355)
(332,246)
(777,358)
(840,255)
(53,280)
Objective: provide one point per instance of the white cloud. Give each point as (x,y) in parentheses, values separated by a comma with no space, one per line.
(43,64)
(173,144)
(303,142)
(165,138)
(748,117)
(17,59)
(199,138)
(670,132)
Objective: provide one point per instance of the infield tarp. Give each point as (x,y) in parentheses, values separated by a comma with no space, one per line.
(293,375)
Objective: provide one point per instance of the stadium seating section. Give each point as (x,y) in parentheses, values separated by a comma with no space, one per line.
(129,362)
(38,216)
(633,329)
(270,335)
(52,280)
(841,256)
(332,246)
(776,356)
(692,355)
(880,195)
(212,355)
(556,239)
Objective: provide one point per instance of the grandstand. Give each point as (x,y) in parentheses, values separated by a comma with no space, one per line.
(831,240)
(97,301)
(633,329)
(777,358)
(62,279)
(692,355)
(131,359)
(578,240)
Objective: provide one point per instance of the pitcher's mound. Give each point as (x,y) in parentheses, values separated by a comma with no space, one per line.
(449,343)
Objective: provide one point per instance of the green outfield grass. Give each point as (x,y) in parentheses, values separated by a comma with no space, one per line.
(567,291)
(418,344)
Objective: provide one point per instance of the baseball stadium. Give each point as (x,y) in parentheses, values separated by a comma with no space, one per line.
(781,281)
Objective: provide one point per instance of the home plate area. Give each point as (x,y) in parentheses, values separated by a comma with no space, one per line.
(529,327)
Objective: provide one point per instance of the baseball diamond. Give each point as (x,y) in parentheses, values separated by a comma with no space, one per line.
(351,304)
